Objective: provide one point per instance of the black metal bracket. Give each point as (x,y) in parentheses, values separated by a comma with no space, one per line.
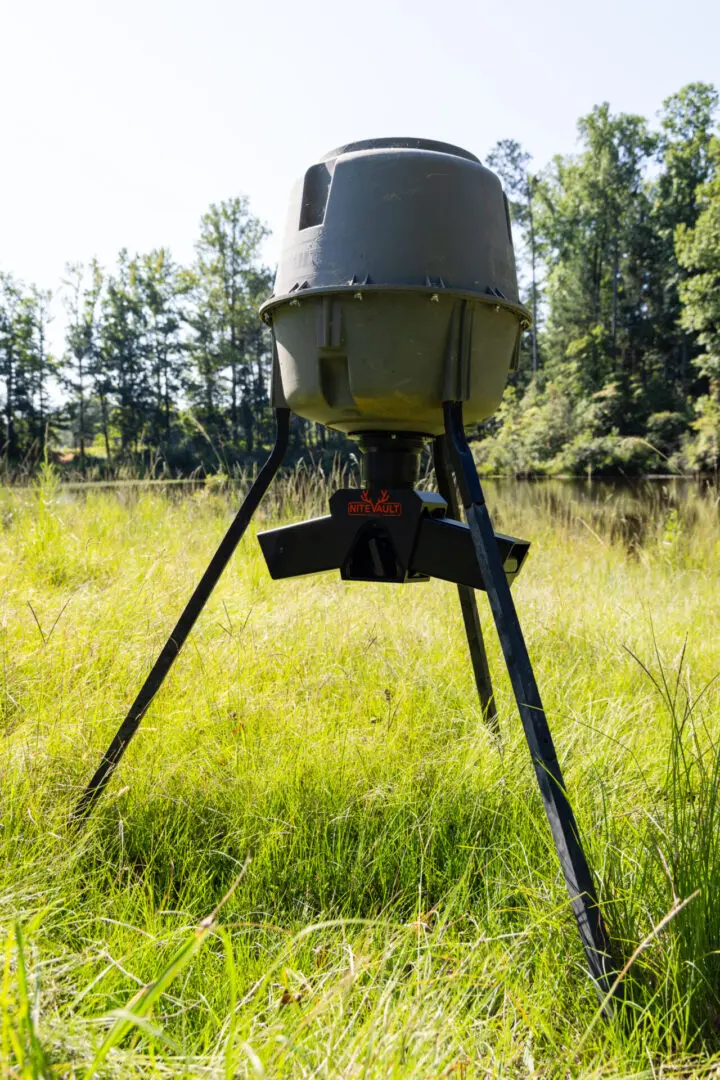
(578,878)
(388,535)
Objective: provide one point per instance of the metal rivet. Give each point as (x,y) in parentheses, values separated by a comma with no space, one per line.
(435,299)
(357,296)
(294,303)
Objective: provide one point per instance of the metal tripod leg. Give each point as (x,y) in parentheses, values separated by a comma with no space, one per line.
(185,623)
(468,602)
(560,816)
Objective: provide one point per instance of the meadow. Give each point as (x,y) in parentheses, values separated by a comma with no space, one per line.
(314,860)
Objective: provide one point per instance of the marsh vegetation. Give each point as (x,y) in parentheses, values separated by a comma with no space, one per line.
(400,910)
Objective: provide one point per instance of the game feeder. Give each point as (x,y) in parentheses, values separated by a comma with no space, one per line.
(396,319)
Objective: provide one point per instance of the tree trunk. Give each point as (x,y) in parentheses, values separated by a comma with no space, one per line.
(596,280)
(10,437)
(249,427)
(207,380)
(105,426)
(234,402)
(81,404)
(166,405)
(531,224)
(41,434)
(616,270)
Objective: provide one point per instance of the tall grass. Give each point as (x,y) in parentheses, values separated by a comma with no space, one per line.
(401,912)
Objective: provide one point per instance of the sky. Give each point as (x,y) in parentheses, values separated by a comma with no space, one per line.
(120,122)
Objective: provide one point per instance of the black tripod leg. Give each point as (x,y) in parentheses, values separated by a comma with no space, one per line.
(185,623)
(468,602)
(564,829)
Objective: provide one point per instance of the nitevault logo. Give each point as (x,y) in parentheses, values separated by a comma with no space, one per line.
(381,506)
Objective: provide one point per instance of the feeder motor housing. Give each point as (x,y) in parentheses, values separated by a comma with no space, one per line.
(396,289)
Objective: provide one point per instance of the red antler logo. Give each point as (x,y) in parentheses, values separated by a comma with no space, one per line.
(381,505)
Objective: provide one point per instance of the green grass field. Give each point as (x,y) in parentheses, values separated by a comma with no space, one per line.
(400,910)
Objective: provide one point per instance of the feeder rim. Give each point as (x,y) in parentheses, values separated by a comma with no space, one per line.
(300,294)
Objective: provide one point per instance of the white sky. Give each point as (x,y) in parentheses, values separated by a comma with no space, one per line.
(121,120)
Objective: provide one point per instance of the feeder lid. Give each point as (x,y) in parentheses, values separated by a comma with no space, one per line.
(398,213)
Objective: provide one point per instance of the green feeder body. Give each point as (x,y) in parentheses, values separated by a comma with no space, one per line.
(396,289)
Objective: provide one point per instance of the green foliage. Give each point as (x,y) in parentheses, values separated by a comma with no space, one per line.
(699,252)
(625,234)
(701,452)
(229,285)
(26,368)
(554,432)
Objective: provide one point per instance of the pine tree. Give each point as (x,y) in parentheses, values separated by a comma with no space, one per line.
(25,367)
(162,288)
(123,375)
(699,252)
(10,305)
(82,298)
(229,282)
(684,156)
(511,163)
(594,208)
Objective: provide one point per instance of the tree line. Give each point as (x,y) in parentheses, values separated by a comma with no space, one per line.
(620,243)
(163,365)
(619,250)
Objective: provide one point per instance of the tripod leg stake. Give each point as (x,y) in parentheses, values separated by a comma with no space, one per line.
(468,602)
(177,639)
(560,816)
